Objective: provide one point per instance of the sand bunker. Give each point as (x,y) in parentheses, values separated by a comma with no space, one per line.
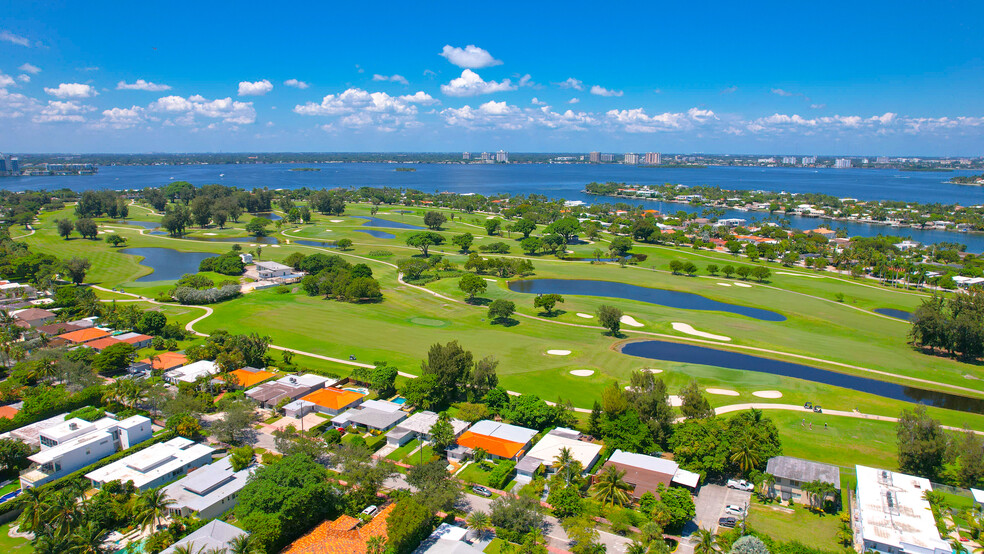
(582,372)
(336,220)
(743,285)
(491,280)
(724,284)
(652,370)
(798,275)
(767,394)
(585,316)
(686,328)
(210,234)
(559,352)
(630,321)
(722,392)
(675,401)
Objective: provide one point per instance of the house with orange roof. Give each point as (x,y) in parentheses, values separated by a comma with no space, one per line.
(249,376)
(167,361)
(99,344)
(329,400)
(138,340)
(83,336)
(498,440)
(341,536)
(8,412)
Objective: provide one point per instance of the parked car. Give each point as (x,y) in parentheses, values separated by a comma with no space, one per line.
(733,509)
(370,511)
(728,522)
(480,490)
(740,484)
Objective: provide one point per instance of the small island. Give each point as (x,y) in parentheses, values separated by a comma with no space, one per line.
(305,169)
(406,169)
(973,180)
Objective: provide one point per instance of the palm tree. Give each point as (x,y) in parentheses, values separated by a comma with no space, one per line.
(88,539)
(562,461)
(478,521)
(704,541)
(745,456)
(376,545)
(151,507)
(188,548)
(64,512)
(245,544)
(610,489)
(636,547)
(768,484)
(35,506)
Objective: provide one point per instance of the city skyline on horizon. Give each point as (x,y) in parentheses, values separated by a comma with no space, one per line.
(444,81)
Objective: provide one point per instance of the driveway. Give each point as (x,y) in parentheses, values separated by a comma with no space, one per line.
(304,423)
(711,502)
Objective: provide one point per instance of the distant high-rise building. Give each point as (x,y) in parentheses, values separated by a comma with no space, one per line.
(486,156)
(608,157)
(502,156)
(3,165)
(466,156)
(652,158)
(631,159)
(15,166)
(842,163)
(809,160)
(594,157)
(789,160)
(881,160)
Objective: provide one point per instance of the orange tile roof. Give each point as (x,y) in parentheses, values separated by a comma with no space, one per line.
(99,344)
(167,360)
(341,536)
(137,338)
(8,412)
(247,379)
(492,445)
(333,398)
(84,335)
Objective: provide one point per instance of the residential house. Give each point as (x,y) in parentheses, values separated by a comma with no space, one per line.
(647,473)
(792,473)
(76,443)
(250,376)
(499,440)
(83,336)
(447,539)
(344,535)
(166,361)
(8,412)
(893,515)
(191,372)
(273,270)
(378,416)
(58,328)
(548,448)
(208,491)
(155,465)
(215,535)
(101,344)
(418,426)
(31,434)
(33,317)
(270,393)
(138,340)
(329,400)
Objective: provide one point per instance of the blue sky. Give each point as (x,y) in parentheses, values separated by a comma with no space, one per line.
(772,77)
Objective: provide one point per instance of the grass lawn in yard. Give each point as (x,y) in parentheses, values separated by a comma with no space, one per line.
(10,544)
(426,454)
(475,474)
(795,524)
(402,451)
(495,546)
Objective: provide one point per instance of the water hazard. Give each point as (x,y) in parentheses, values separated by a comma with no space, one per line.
(168,264)
(690,354)
(611,289)
(892,312)
(377,234)
(387,224)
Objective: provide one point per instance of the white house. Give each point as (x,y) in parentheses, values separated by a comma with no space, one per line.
(208,491)
(191,372)
(547,449)
(271,270)
(214,535)
(76,443)
(419,425)
(893,516)
(155,465)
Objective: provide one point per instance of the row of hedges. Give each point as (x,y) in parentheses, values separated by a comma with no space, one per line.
(502,474)
(87,397)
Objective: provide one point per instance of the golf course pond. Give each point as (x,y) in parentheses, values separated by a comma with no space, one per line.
(377,234)
(892,312)
(691,354)
(168,264)
(611,289)
(385,223)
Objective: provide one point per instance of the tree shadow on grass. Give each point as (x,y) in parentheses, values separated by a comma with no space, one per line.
(507,322)
(479,301)
(554,313)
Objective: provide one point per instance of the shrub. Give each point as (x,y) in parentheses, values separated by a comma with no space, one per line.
(501,475)
(188,295)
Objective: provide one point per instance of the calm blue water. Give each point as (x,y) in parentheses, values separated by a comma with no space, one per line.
(611,289)
(562,181)
(892,312)
(377,234)
(168,264)
(387,224)
(315,243)
(690,354)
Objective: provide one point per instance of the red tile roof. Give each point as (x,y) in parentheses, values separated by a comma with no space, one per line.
(99,344)
(84,335)
(341,536)
(333,398)
(8,412)
(493,445)
(167,360)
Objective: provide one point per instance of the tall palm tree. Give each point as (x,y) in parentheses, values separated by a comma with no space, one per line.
(35,506)
(88,539)
(562,460)
(478,521)
(768,484)
(376,545)
(704,541)
(64,512)
(745,456)
(610,489)
(245,544)
(188,548)
(151,506)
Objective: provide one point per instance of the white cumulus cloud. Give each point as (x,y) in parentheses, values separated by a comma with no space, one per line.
(5,81)
(395,78)
(360,108)
(14,105)
(226,109)
(573,83)
(471,57)
(122,118)
(59,112)
(28,68)
(7,36)
(24,78)
(72,90)
(471,84)
(140,84)
(573,100)
(296,84)
(537,102)
(257,88)
(602,91)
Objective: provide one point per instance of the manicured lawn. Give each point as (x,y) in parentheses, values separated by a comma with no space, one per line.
(845,442)
(798,524)
(474,474)
(424,455)
(495,546)
(402,451)
(10,544)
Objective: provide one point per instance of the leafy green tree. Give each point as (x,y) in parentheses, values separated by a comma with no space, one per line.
(483,377)
(680,505)
(547,302)
(65,227)
(566,227)
(728,270)
(423,240)
(492,226)
(13,455)
(761,273)
(344,244)
(531,244)
(115,239)
(517,515)
(114,359)
(463,241)
(442,432)
(434,220)
(201,211)
(749,545)
(471,284)
(258,226)
(87,228)
(408,524)
(501,310)
(620,246)
(240,458)
(76,268)
(610,318)
(524,226)
(743,272)
(436,488)
(704,541)
(712,269)
(694,404)
(423,392)
(922,443)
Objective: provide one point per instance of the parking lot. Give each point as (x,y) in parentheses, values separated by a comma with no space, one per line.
(711,502)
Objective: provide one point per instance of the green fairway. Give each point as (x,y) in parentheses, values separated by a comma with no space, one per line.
(409,319)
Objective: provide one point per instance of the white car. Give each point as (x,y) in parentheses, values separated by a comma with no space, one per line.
(735,510)
(740,484)
(371,511)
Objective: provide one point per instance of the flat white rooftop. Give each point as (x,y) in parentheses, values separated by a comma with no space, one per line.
(894,514)
(152,462)
(549,447)
(512,433)
(193,371)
